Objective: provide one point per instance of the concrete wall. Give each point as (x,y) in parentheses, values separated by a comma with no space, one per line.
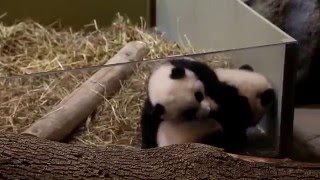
(72,12)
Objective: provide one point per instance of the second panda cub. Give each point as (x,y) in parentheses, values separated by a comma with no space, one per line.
(177,108)
(254,98)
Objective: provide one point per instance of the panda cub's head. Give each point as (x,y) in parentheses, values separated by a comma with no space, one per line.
(254,86)
(176,94)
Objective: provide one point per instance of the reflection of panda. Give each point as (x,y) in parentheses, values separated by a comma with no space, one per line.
(176,108)
(252,85)
(300,19)
(239,112)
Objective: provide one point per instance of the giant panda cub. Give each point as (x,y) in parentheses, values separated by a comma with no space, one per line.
(255,87)
(236,114)
(177,108)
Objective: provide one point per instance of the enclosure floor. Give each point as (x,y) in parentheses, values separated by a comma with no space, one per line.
(307,134)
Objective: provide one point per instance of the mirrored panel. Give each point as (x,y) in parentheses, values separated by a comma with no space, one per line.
(42,66)
(116,110)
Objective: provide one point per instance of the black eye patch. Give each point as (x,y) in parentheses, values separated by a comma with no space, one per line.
(267,97)
(199,96)
(177,73)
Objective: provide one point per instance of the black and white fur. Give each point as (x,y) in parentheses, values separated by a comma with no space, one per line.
(177,108)
(236,99)
(255,87)
(248,97)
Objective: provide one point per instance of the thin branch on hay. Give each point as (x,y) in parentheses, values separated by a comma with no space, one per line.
(76,107)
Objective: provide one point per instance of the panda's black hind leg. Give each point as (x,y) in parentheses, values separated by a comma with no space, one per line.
(230,142)
(214,139)
(235,142)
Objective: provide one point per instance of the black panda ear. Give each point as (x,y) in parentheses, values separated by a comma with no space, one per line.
(267,97)
(177,73)
(158,110)
(249,2)
(246,67)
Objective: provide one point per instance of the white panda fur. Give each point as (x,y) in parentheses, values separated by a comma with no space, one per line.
(171,132)
(175,96)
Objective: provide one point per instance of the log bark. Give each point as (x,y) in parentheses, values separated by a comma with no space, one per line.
(34,158)
(76,107)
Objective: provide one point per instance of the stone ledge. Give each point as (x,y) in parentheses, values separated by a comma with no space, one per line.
(306,140)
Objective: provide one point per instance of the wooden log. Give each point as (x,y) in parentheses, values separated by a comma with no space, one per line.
(76,107)
(24,157)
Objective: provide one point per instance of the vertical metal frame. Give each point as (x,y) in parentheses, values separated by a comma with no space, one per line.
(151,11)
(287,108)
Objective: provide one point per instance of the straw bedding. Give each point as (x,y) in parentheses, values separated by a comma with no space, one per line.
(28,47)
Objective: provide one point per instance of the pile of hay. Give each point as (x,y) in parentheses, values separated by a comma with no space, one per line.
(29,47)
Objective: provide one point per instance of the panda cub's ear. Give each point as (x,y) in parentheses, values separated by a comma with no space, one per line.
(246,67)
(177,73)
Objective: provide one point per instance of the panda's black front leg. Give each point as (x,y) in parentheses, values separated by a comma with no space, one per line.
(150,121)
(148,132)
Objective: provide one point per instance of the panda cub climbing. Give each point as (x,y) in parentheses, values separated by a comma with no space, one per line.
(177,108)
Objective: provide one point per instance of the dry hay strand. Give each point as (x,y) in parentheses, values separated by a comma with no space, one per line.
(28,47)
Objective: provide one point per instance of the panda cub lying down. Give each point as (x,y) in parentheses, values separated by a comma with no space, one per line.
(188,102)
